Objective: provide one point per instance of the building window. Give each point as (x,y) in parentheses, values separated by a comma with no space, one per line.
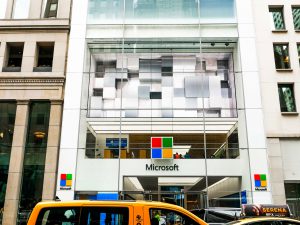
(3,4)
(281,55)
(298,49)
(51,9)
(286,98)
(296,17)
(98,92)
(14,54)
(276,18)
(44,57)
(21,9)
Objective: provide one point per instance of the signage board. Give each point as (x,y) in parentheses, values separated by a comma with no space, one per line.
(250,210)
(162,147)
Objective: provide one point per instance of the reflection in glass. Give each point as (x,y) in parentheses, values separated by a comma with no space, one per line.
(296,17)
(3,4)
(277,19)
(162,11)
(35,153)
(21,9)
(7,121)
(286,97)
(281,55)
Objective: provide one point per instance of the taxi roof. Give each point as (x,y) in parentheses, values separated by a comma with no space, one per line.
(98,203)
(257,219)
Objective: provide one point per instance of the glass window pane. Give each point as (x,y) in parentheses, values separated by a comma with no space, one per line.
(296,17)
(63,215)
(286,98)
(281,55)
(277,19)
(217,9)
(21,9)
(3,4)
(103,215)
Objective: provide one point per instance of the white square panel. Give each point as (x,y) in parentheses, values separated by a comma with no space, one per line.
(167,82)
(133,63)
(109,81)
(215,100)
(96,102)
(109,93)
(99,83)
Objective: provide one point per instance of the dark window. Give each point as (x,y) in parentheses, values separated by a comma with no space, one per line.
(98,92)
(44,57)
(167,66)
(14,57)
(34,157)
(61,215)
(277,17)
(165,216)
(286,97)
(51,9)
(105,215)
(296,17)
(281,55)
(155,95)
(7,121)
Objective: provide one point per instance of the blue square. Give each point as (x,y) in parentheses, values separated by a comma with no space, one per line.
(156,153)
(62,183)
(257,183)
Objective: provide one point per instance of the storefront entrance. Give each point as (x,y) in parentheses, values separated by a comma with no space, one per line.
(188,192)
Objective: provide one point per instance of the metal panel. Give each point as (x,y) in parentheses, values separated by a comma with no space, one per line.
(96,102)
(167,82)
(109,81)
(144,92)
(178,92)
(196,87)
(109,93)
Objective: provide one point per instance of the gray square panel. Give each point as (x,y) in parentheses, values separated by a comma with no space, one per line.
(196,87)
(109,81)
(167,81)
(191,103)
(178,92)
(144,92)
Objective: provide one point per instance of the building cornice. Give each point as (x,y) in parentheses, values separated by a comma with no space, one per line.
(27,81)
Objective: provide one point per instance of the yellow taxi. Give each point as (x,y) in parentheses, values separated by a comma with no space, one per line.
(85,212)
(264,214)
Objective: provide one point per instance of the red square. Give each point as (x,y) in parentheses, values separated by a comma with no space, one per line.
(63,176)
(156,142)
(256,177)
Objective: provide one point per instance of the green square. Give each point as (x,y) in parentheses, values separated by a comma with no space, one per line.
(69,176)
(167,142)
(263,177)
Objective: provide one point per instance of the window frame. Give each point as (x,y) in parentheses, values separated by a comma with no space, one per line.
(277,9)
(286,85)
(282,62)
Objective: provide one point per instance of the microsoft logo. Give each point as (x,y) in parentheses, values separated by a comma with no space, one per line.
(161,147)
(65,180)
(260,181)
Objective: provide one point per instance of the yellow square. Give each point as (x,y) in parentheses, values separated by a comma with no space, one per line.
(263,183)
(69,183)
(167,153)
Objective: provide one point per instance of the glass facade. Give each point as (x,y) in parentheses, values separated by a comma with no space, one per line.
(292,194)
(150,74)
(286,97)
(159,11)
(34,158)
(7,121)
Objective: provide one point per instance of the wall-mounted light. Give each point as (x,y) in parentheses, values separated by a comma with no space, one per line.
(212,44)
(226,44)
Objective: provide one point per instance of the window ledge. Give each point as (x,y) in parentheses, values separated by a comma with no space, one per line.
(289,113)
(297,31)
(11,69)
(42,69)
(279,31)
(284,70)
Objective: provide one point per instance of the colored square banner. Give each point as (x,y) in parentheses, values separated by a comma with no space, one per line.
(260,180)
(66,180)
(161,147)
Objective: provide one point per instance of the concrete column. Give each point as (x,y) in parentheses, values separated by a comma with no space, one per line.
(49,185)
(12,196)
(35,9)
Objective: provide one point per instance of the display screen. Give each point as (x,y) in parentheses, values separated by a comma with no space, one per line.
(114,142)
